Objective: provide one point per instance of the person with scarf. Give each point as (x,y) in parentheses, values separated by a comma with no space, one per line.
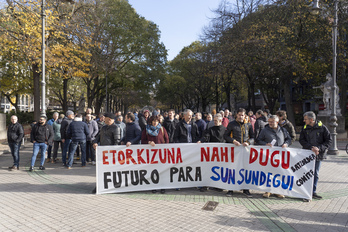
(154,134)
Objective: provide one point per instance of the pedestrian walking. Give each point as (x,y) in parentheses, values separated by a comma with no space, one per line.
(15,134)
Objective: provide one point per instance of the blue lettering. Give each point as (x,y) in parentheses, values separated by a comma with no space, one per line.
(241,174)
(269,179)
(247,180)
(262,178)
(217,174)
(285,186)
(276,183)
(255,178)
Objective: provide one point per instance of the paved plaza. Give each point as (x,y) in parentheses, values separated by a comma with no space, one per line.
(58,199)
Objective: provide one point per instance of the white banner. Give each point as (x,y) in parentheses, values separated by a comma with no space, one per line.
(169,166)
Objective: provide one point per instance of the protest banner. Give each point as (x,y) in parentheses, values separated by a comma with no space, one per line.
(287,171)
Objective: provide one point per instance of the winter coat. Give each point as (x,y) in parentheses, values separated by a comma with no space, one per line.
(15,133)
(64,127)
(122,126)
(260,123)
(242,132)
(42,134)
(161,138)
(142,122)
(214,134)
(225,122)
(109,135)
(181,132)
(93,130)
(133,133)
(281,136)
(56,129)
(201,124)
(170,128)
(317,136)
(78,130)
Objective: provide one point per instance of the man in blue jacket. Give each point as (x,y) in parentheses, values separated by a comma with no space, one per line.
(133,131)
(78,131)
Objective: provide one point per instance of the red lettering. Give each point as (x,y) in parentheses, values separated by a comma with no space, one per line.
(171,156)
(129,153)
(121,157)
(178,155)
(224,156)
(105,157)
(140,159)
(147,156)
(285,165)
(253,155)
(164,158)
(264,163)
(205,154)
(274,162)
(232,155)
(113,156)
(153,156)
(215,154)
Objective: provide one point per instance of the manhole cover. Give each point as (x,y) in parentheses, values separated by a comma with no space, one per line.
(210,205)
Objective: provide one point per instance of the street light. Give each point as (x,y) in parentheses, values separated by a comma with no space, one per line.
(333,118)
(43,83)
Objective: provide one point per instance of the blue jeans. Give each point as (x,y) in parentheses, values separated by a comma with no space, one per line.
(316,175)
(36,148)
(73,147)
(14,147)
(66,150)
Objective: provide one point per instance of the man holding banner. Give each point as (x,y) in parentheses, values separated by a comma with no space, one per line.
(274,135)
(239,133)
(315,137)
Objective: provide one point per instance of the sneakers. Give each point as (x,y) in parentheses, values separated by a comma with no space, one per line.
(13,168)
(42,168)
(229,193)
(266,195)
(48,160)
(306,200)
(247,193)
(163,191)
(68,167)
(93,163)
(31,169)
(316,196)
(154,191)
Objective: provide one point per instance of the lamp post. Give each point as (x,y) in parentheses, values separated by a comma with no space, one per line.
(333,118)
(43,83)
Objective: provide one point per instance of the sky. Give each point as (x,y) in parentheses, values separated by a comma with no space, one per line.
(180,21)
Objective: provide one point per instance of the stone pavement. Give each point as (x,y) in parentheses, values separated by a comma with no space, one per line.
(58,199)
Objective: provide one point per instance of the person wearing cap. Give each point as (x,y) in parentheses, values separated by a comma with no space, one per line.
(78,132)
(110,133)
(41,136)
(63,133)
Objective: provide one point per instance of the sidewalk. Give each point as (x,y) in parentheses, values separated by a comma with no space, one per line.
(58,199)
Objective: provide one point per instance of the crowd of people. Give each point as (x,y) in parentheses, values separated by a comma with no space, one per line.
(78,134)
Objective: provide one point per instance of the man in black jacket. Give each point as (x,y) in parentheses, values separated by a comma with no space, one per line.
(41,136)
(315,137)
(15,134)
(63,133)
(186,131)
(239,133)
(214,134)
(170,124)
(110,134)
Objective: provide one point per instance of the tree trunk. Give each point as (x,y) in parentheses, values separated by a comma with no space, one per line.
(65,95)
(36,91)
(288,100)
